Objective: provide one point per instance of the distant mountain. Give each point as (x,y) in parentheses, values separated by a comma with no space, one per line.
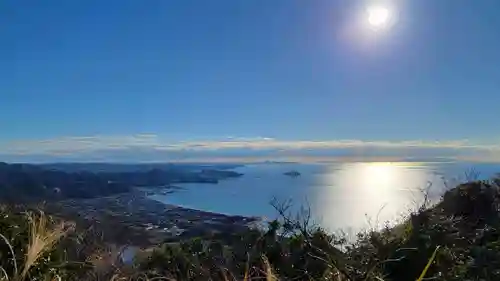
(26,182)
(133,167)
(278,162)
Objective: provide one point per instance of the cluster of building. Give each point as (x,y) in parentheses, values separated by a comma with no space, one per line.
(134,219)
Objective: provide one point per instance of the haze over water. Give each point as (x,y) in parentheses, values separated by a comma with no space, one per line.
(341,196)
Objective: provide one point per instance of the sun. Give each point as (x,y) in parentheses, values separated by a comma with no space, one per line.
(378,16)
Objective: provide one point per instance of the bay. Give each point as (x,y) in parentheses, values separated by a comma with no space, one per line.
(340,196)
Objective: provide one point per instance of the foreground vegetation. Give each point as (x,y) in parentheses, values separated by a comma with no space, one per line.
(457,239)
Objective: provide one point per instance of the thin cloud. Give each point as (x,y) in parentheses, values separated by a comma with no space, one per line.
(150,146)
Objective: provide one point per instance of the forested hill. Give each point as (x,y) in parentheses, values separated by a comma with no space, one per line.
(26,182)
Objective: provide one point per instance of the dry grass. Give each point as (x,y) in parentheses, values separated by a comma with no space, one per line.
(428,265)
(270,276)
(13,257)
(42,238)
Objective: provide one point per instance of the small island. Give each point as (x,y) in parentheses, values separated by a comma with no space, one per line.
(292,174)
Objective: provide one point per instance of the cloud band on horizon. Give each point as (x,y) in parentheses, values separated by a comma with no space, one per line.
(150,147)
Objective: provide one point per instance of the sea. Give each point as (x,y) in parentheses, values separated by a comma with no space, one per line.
(346,197)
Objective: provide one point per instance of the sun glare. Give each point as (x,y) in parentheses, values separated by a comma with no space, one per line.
(378,16)
(381,173)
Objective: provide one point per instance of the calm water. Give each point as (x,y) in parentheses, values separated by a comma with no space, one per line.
(349,196)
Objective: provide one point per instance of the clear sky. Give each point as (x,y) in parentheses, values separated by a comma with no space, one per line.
(290,70)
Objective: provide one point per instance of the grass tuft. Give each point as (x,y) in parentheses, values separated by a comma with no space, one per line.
(428,265)
(42,238)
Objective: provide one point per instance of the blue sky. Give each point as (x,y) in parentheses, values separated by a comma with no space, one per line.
(290,72)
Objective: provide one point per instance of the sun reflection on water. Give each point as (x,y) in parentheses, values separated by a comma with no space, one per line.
(367,195)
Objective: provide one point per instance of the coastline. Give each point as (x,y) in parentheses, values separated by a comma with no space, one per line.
(146,221)
(150,194)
